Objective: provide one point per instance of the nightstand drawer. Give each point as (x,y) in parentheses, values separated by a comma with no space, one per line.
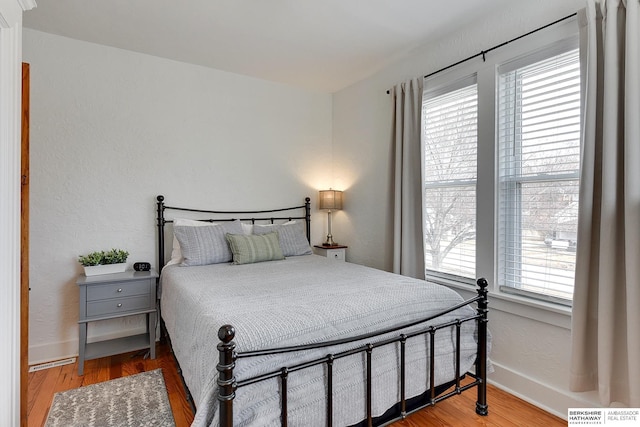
(118,305)
(335,254)
(117,290)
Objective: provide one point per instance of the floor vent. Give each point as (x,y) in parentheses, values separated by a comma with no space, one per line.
(62,362)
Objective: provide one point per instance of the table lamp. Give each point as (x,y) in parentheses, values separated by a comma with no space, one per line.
(330,200)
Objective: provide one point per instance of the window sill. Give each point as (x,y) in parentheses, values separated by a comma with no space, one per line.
(541,311)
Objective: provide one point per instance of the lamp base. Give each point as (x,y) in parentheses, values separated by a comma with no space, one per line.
(329,241)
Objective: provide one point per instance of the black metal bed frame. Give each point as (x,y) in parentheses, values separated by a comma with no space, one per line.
(228,384)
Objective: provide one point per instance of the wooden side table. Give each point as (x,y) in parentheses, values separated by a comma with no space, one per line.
(109,296)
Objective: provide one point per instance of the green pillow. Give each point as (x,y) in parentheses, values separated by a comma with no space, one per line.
(247,249)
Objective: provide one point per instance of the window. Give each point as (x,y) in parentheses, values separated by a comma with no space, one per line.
(450,171)
(539,159)
(501,170)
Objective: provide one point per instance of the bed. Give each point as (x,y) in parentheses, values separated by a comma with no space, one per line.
(300,339)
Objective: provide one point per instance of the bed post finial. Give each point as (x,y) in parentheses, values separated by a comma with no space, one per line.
(226,333)
(226,380)
(160,225)
(481,362)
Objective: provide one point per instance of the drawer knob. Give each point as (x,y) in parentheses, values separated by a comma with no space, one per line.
(119,289)
(335,255)
(119,304)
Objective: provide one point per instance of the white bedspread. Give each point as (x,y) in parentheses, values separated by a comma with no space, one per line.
(303,300)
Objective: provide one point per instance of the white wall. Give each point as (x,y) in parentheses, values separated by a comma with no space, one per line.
(531,344)
(111,129)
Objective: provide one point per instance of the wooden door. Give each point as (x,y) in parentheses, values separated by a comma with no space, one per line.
(24,248)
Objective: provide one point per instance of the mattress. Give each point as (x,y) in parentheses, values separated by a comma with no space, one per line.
(302,300)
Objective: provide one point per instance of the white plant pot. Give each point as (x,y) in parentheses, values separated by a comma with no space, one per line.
(95,270)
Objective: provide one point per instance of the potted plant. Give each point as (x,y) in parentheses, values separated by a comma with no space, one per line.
(104,262)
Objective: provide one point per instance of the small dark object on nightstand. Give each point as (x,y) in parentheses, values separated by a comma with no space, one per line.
(142,266)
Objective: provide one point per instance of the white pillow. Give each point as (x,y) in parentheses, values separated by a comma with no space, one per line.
(176,253)
(247,228)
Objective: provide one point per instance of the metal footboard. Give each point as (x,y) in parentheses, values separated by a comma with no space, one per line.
(227,384)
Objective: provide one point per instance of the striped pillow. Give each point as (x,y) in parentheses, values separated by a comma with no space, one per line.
(207,244)
(292,237)
(247,249)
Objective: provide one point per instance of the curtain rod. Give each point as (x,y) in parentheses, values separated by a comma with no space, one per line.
(484,52)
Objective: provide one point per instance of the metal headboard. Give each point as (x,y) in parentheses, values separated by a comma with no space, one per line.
(260,215)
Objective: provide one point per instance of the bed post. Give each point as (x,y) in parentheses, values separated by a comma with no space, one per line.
(481,363)
(226,380)
(160,219)
(307,211)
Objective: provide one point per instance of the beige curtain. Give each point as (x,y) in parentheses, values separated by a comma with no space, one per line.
(408,246)
(606,304)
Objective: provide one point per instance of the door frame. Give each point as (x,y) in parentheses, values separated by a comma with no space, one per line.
(10,82)
(24,246)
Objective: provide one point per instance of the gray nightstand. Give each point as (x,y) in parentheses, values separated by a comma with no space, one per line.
(108,296)
(337,252)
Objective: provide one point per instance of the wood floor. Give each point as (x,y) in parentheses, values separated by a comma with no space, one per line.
(504,409)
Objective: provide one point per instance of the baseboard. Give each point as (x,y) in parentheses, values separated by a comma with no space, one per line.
(547,397)
(50,352)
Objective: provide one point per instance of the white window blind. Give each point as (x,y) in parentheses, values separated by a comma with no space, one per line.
(539,159)
(450,172)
